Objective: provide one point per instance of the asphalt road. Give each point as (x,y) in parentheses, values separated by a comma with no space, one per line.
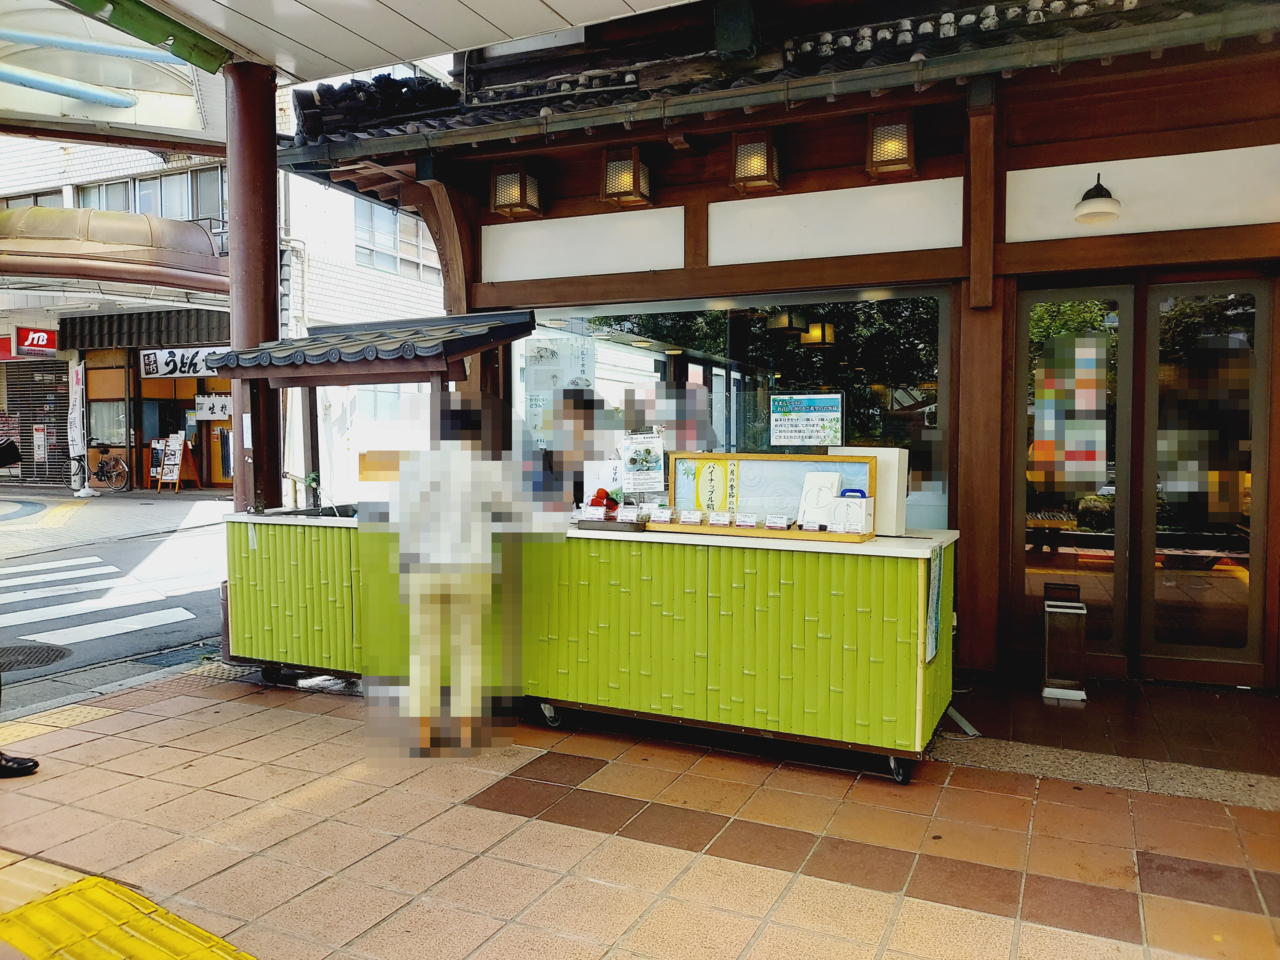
(123,598)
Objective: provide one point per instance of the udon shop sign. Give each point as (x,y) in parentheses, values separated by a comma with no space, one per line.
(178,362)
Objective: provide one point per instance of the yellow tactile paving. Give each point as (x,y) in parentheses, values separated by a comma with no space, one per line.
(70,716)
(15,730)
(221,671)
(96,919)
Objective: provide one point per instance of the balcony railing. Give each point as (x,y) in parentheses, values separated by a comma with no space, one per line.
(219,230)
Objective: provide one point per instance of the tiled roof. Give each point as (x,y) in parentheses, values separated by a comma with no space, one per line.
(845,49)
(397,340)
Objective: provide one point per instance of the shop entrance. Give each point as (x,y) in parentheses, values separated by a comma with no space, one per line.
(1141,461)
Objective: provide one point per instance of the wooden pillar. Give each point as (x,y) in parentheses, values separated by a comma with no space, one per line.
(255,270)
(982,191)
(1271,535)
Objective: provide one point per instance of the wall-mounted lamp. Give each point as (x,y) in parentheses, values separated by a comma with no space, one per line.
(624,179)
(755,162)
(673,351)
(891,144)
(786,321)
(1097,205)
(819,335)
(515,191)
(642,343)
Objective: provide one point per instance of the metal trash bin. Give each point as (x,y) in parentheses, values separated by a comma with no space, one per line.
(1064,632)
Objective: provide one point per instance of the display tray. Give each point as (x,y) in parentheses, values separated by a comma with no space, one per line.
(759,532)
(626,526)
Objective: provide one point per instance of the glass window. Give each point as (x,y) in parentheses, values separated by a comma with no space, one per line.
(208,193)
(88,197)
(149,197)
(21,202)
(107,422)
(115,196)
(379,402)
(53,199)
(175,197)
(382,233)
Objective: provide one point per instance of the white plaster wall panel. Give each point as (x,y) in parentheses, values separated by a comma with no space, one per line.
(1187,191)
(886,218)
(350,293)
(633,241)
(324,219)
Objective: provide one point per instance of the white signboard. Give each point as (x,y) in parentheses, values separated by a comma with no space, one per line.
(806,420)
(642,462)
(172,458)
(216,407)
(75,414)
(39,444)
(178,362)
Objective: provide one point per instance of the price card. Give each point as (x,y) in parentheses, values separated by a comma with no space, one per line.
(719,519)
(835,528)
(776,521)
(811,526)
(593,513)
(745,520)
(660,515)
(693,517)
(628,514)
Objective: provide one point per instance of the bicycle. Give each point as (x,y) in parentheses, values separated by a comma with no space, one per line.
(111,470)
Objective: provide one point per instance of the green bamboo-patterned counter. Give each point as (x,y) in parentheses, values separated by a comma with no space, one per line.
(803,638)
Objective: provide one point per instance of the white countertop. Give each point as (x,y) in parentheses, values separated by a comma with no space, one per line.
(916,545)
(292,521)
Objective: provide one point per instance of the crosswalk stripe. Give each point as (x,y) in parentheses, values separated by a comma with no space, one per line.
(61,575)
(111,628)
(50,565)
(41,593)
(78,607)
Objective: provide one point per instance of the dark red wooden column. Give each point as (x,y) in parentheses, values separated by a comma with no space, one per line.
(255,280)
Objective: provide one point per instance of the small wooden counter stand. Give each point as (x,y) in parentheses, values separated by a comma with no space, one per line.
(736,483)
(178,464)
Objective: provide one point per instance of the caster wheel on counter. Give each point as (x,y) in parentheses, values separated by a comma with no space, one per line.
(549,714)
(901,770)
(271,674)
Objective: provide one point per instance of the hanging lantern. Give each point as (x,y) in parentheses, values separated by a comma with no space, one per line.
(819,335)
(891,146)
(786,321)
(755,162)
(1097,205)
(624,178)
(515,191)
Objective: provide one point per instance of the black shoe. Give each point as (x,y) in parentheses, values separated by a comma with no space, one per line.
(17,766)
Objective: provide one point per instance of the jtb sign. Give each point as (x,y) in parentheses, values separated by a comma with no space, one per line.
(29,342)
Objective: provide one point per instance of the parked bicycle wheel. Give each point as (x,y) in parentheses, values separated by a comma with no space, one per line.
(73,473)
(114,471)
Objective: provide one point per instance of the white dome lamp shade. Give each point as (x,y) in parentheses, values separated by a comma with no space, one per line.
(1097,205)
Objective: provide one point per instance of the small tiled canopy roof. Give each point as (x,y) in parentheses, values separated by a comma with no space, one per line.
(398,351)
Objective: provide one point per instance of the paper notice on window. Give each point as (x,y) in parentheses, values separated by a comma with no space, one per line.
(642,462)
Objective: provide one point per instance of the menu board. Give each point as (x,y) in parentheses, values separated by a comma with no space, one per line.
(172,467)
(157,457)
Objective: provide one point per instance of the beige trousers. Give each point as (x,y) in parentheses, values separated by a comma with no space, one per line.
(458,600)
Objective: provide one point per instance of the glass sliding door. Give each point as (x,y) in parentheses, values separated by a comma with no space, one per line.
(1071,465)
(1205,479)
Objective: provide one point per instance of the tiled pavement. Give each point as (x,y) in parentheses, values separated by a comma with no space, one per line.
(251,812)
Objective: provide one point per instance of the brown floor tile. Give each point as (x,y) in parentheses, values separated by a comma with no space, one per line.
(836,908)
(796,811)
(252,887)
(173,706)
(921,798)
(265,748)
(1083,795)
(661,755)
(17,807)
(932,771)
(44,830)
(1185,809)
(1204,931)
(562,768)
(322,728)
(1099,911)
(263,782)
(450,781)
(1210,883)
(495,887)
(788,943)
(634,863)
(861,864)
(267,722)
(379,772)
(540,738)
(630,780)
(133,798)
(524,798)
(259,941)
(100,750)
(150,760)
(70,787)
(225,712)
(336,911)
(1263,851)
(426,930)
(258,827)
(878,825)
(110,846)
(394,811)
(179,865)
(329,846)
(1083,862)
(518,942)
(763,845)
(472,829)
(976,843)
(205,771)
(1036,942)
(323,757)
(587,909)
(732,885)
(407,865)
(1192,841)
(993,781)
(685,931)
(1269,886)
(939,932)
(706,793)
(734,766)
(674,827)
(991,809)
(116,723)
(1082,823)
(554,846)
(601,746)
(973,886)
(501,761)
(194,812)
(166,730)
(588,810)
(819,781)
(1263,822)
